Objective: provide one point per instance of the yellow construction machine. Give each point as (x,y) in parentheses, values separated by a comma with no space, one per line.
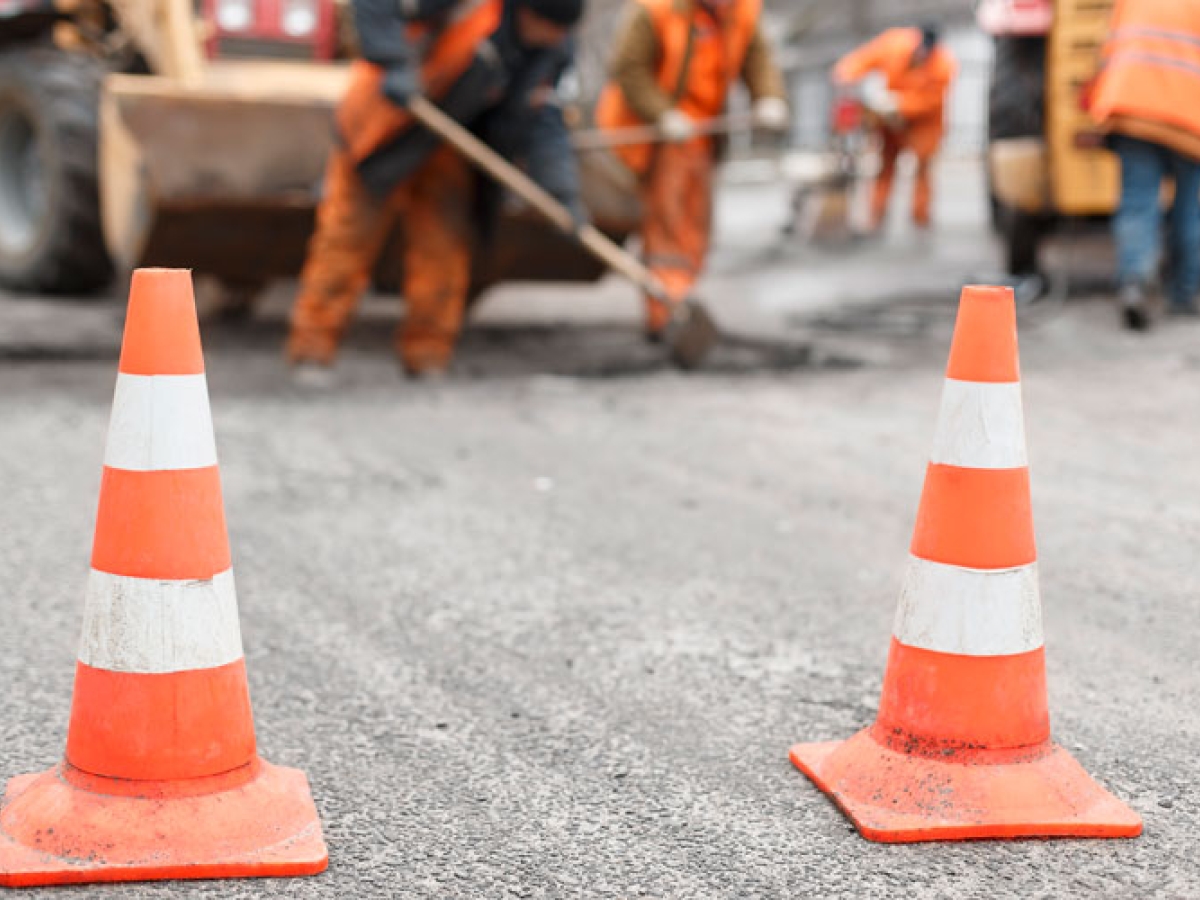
(194,133)
(1046,163)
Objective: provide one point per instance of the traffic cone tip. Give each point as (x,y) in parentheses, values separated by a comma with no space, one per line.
(984,346)
(162,331)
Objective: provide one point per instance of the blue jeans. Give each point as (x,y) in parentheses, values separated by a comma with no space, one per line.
(1138,222)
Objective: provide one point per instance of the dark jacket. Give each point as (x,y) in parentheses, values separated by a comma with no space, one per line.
(508,97)
(527,125)
(380,26)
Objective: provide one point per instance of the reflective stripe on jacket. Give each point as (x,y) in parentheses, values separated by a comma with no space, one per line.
(1149,83)
(716,58)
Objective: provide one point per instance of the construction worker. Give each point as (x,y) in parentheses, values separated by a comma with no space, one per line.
(674,65)
(493,65)
(1145,97)
(916,71)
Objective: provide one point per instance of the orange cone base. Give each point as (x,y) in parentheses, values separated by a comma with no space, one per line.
(901,798)
(257,821)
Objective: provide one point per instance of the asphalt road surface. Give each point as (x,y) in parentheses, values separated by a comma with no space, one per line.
(548,629)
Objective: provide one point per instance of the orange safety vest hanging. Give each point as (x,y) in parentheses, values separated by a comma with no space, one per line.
(713,63)
(367,120)
(1150,77)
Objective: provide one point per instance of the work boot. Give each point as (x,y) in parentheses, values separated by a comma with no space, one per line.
(425,361)
(311,354)
(658,316)
(313,376)
(428,374)
(310,345)
(1135,306)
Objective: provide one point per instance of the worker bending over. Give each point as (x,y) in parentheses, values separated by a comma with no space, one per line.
(494,66)
(1147,97)
(917,71)
(674,64)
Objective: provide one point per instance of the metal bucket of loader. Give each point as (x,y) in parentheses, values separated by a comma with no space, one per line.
(222,174)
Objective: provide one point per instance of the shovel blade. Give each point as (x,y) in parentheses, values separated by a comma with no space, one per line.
(691,334)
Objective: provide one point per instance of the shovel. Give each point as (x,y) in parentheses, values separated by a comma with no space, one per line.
(691,331)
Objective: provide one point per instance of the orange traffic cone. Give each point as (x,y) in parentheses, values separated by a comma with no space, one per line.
(161,777)
(961,747)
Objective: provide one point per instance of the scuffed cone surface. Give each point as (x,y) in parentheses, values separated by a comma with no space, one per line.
(55,830)
(902,798)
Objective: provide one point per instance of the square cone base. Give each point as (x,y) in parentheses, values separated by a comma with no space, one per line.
(66,827)
(902,798)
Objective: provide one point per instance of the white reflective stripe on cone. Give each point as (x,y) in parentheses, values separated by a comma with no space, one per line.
(160,422)
(980,426)
(156,626)
(971,612)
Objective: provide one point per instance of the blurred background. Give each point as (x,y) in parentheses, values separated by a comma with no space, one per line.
(546,626)
(206,146)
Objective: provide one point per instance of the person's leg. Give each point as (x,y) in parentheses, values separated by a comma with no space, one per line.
(677,220)
(1136,225)
(923,139)
(351,226)
(1137,220)
(435,205)
(1185,234)
(922,192)
(882,192)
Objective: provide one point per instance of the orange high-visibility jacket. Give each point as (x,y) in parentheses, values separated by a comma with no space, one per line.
(368,121)
(718,50)
(920,90)
(1149,83)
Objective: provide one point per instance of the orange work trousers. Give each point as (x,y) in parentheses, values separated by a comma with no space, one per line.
(677,203)
(894,143)
(434,207)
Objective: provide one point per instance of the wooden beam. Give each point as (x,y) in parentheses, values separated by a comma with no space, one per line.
(166,33)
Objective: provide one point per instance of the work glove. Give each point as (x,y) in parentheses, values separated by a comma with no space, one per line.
(881,102)
(889,113)
(401,83)
(771,113)
(891,110)
(676,126)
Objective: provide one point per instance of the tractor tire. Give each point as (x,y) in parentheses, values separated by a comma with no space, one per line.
(1017,109)
(51,238)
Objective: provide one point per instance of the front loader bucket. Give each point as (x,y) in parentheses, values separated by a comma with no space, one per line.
(223,174)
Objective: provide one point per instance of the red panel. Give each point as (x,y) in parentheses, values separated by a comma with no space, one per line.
(168,524)
(979,518)
(936,701)
(161,726)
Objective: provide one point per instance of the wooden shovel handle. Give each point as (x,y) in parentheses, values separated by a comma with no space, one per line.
(491,162)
